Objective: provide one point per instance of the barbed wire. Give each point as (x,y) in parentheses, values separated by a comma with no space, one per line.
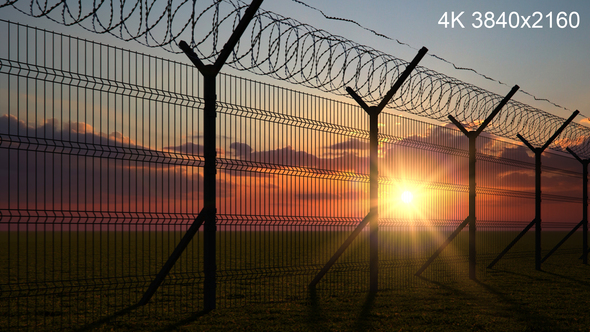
(289,50)
(376,33)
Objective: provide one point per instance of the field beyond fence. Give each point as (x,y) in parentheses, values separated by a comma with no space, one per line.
(77,279)
(107,160)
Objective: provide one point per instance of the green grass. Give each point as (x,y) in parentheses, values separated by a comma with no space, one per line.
(556,299)
(263,281)
(506,301)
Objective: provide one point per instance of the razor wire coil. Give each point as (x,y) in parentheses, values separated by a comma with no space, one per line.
(286,49)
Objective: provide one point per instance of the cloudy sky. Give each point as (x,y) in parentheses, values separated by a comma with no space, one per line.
(547,62)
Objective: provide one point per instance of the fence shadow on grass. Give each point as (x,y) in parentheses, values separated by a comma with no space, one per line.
(315,313)
(505,304)
(582,283)
(364,322)
(191,319)
(109,319)
(520,274)
(534,320)
(452,290)
(97,324)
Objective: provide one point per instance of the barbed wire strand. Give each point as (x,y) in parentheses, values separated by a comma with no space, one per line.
(286,49)
(489,78)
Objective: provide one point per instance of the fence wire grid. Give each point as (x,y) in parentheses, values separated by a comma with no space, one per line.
(101,168)
(289,50)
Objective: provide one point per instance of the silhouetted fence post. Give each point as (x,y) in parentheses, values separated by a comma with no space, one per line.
(584,222)
(472,135)
(537,221)
(209,212)
(585,216)
(372,217)
(585,163)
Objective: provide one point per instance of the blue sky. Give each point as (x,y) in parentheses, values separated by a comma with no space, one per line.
(548,62)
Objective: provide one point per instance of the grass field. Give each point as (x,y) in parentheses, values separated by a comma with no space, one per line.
(91,281)
(524,300)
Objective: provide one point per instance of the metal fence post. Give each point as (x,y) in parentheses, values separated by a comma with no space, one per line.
(537,220)
(209,211)
(471,219)
(584,222)
(373,217)
(585,213)
(374,200)
(537,208)
(209,190)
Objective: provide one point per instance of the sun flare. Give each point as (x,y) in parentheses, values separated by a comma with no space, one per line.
(407,197)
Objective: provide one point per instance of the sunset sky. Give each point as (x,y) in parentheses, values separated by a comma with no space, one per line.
(128,167)
(548,63)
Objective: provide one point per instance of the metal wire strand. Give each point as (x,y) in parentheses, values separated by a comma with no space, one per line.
(289,50)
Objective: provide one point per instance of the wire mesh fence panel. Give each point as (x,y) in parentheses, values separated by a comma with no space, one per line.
(292,194)
(561,209)
(286,49)
(94,197)
(101,164)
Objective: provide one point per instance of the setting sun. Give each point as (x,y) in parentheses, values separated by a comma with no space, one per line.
(407,197)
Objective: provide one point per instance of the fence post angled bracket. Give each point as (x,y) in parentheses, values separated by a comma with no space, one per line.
(209,211)
(470,220)
(584,222)
(372,217)
(537,221)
